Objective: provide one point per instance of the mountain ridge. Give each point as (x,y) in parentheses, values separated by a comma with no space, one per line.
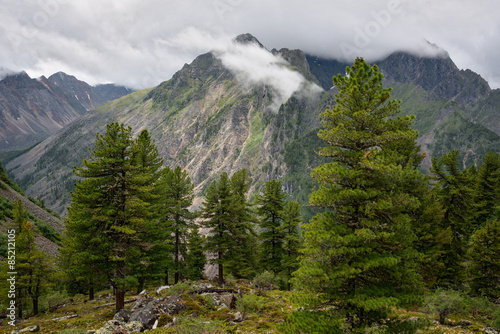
(207,120)
(33,109)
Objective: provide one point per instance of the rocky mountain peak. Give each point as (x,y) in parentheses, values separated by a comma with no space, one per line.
(248,39)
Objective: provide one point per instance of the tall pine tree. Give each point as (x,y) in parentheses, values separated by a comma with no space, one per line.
(270,204)
(291,239)
(358,253)
(110,203)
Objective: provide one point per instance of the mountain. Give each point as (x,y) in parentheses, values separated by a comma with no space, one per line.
(213,117)
(33,109)
(48,227)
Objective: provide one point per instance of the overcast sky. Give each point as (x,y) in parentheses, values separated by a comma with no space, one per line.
(140,43)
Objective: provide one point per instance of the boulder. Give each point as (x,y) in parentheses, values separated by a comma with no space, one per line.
(464,323)
(30,329)
(146,315)
(489,330)
(141,302)
(122,315)
(227,299)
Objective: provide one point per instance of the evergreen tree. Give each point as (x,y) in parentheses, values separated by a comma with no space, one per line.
(358,253)
(196,258)
(454,189)
(487,189)
(33,266)
(270,204)
(291,239)
(110,203)
(240,257)
(216,212)
(484,264)
(225,212)
(175,219)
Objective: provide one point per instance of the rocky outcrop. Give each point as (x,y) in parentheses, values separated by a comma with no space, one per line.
(146,311)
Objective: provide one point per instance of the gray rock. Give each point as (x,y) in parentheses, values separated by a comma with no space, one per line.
(110,327)
(228,299)
(30,329)
(489,330)
(134,327)
(141,302)
(238,317)
(122,315)
(464,323)
(146,315)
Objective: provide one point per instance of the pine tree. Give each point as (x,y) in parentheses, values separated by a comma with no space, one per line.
(33,266)
(175,219)
(216,212)
(196,259)
(110,203)
(487,189)
(225,212)
(291,239)
(454,190)
(484,264)
(358,253)
(270,204)
(240,257)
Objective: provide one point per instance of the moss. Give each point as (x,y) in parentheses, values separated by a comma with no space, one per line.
(164,320)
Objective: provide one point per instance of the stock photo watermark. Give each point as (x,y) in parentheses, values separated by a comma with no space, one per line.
(47,9)
(222,7)
(11,276)
(363,35)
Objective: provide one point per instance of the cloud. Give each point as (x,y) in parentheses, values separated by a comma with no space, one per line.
(123,41)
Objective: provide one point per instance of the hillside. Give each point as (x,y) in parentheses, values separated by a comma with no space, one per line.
(33,109)
(214,116)
(49,228)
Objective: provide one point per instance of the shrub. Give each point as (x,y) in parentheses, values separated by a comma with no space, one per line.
(265,281)
(443,302)
(477,306)
(251,303)
(496,319)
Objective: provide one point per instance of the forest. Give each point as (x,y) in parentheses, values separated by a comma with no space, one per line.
(386,234)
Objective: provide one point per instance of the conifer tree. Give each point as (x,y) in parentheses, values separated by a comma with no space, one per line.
(33,266)
(358,253)
(175,219)
(484,265)
(487,189)
(240,258)
(454,189)
(291,239)
(225,212)
(270,204)
(216,212)
(196,258)
(110,203)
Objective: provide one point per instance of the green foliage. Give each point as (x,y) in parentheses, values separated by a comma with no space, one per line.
(196,258)
(171,232)
(443,303)
(359,252)
(270,204)
(313,322)
(109,211)
(252,303)
(496,318)
(5,208)
(265,281)
(225,210)
(484,265)
(291,242)
(3,245)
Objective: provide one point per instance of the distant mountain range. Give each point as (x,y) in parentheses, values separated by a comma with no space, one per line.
(209,119)
(33,109)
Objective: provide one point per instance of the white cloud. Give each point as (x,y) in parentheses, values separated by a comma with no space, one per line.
(128,41)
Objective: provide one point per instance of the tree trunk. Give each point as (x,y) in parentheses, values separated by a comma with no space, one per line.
(120,298)
(176,259)
(221,271)
(35,305)
(91,291)
(19,305)
(166,276)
